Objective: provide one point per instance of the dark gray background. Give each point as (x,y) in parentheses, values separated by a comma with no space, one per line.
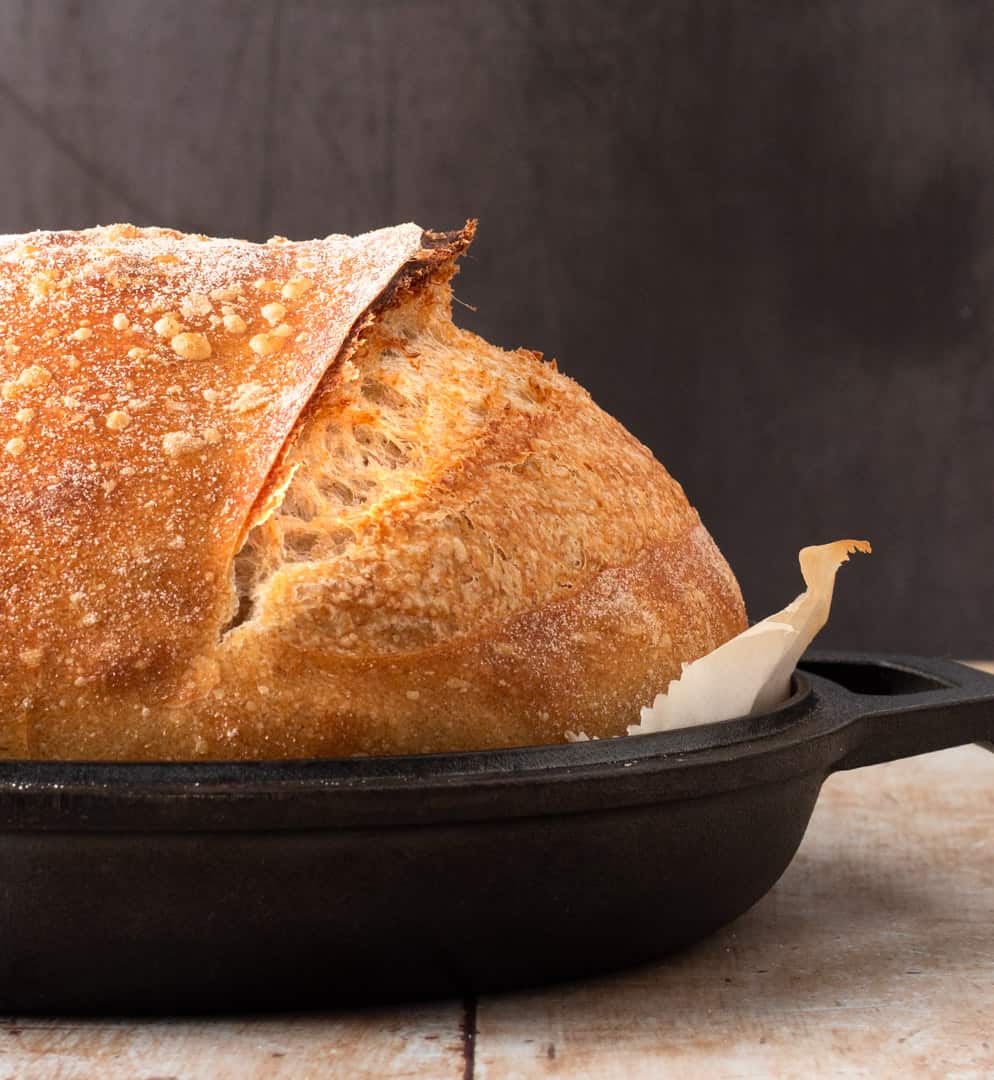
(760,233)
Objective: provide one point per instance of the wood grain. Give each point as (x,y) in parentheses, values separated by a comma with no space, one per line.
(874,956)
(420,1041)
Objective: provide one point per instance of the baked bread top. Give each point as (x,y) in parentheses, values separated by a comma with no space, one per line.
(268,501)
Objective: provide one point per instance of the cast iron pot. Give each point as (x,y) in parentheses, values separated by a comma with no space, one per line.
(220,886)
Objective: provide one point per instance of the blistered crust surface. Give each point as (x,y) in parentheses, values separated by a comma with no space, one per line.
(148,381)
(434,544)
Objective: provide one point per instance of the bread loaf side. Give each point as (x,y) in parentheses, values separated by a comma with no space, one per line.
(453,548)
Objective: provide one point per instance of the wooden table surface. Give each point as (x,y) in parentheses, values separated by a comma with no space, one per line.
(873,956)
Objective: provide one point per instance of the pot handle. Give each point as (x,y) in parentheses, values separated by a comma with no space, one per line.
(907,705)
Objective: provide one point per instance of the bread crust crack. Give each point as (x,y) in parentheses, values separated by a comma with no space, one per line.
(267,501)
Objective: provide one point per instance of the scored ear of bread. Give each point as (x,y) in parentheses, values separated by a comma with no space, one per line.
(148,383)
(268,501)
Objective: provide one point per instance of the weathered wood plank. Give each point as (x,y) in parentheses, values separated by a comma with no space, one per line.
(420,1041)
(873,956)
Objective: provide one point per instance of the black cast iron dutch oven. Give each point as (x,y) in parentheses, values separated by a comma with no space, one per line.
(180,887)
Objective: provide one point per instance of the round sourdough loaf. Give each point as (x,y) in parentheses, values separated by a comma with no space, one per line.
(267,501)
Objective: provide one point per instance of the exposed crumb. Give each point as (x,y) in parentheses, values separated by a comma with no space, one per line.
(266,344)
(191,346)
(273,313)
(211,395)
(77,597)
(168,326)
(109,486)
(16,446)
(31,657)
(212,436)
(24,416)
(179,443)
(137,353)
(117,420)
(234,323)
(413,695)
(121,322)
(283,331)
(296,287)
(81,333)
(72,362)
(91,618)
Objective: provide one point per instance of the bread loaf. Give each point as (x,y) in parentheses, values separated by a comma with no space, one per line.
(267,501)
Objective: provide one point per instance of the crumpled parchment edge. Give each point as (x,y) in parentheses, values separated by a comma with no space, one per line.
(751,672)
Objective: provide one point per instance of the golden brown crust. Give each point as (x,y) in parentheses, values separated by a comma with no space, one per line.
(149,381)
(516,566)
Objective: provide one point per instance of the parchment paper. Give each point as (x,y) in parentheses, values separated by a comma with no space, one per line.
(751,673)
